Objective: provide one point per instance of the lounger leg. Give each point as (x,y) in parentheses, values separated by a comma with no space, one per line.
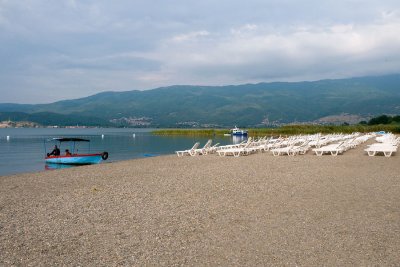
(334,153)
(388,154)
(319,153)
(371,153)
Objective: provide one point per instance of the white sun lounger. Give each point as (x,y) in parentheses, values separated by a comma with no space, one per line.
(212,149)
(386,149)
(236,152)
(281,150)
(204,149)
(333,149)
(301,149)
(190,152)
(291,150)
(319,142)
(261,145)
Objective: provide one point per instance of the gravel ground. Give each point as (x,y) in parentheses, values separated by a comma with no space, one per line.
(206,210)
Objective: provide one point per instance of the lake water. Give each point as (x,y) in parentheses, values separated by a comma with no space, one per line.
(24,151)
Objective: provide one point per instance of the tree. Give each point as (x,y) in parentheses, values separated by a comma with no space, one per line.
(383,119)
(396,119)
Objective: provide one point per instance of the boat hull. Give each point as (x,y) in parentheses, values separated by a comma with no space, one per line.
(75,159)
(240,134)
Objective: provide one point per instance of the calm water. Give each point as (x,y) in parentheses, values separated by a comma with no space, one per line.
(25,149)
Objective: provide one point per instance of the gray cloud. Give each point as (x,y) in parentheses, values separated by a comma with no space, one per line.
(54,50)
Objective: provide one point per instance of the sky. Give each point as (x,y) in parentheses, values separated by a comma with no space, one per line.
(65,49)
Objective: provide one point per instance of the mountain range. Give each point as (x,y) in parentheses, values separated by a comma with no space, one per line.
(220,106)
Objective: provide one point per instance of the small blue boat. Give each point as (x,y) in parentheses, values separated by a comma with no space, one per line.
(73,158)
(238,132)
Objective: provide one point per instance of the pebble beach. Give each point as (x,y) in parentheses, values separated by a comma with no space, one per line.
(256,210)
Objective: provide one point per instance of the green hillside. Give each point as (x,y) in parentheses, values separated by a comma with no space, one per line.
(245,105)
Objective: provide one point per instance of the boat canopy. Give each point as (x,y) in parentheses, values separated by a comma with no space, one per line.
(70,140)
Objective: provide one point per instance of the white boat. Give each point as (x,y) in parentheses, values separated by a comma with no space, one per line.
(237,131)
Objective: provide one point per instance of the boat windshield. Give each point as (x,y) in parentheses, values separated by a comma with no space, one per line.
(70,140)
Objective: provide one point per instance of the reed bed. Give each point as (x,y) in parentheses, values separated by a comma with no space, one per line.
(191,132)
(286,130)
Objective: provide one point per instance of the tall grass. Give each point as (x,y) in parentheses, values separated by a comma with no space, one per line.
(285,130)
(191,132)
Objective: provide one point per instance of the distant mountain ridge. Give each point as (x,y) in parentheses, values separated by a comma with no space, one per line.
(246,105)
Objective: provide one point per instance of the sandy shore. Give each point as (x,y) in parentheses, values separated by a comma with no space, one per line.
(206,210)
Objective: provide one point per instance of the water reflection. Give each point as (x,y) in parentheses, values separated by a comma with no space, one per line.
(53,166)
(237,139)
(150,155)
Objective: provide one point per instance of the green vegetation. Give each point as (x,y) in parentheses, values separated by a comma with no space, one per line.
(287,130)
(384,119)
(190,132)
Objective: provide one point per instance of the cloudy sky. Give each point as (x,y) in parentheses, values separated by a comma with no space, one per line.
(53,50)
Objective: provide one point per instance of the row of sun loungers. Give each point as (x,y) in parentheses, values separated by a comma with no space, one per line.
(333,144)
(347,143)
